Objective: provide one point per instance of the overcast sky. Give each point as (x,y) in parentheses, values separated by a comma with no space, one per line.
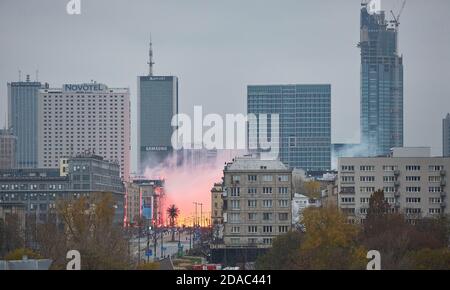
(217,47)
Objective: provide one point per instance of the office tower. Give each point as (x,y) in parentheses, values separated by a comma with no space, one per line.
(80,118)
(446,136)
(304,119)
(157,104)
(8,144)
(381,83)
(413,183)
(257,205)
(22,107)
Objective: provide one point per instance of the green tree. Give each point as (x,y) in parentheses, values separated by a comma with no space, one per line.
(173,213)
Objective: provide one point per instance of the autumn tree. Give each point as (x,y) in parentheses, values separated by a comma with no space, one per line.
(89,227)
(11,234)
(430,259)
(312,189)
(284,253)
(330,242)
(397,240)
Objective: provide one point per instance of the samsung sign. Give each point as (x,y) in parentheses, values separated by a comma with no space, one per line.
(84,87)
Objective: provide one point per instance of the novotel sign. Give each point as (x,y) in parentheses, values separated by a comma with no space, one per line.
(84,87)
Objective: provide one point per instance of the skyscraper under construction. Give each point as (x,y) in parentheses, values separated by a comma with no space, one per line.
(381,81)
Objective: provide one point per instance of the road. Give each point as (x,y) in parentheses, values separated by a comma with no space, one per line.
(169,248)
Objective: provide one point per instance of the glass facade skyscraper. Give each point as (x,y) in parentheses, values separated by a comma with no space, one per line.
(304,122)
(381,84)
(22,112)
(157,104)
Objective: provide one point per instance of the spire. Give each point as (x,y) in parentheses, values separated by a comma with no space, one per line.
(150,56)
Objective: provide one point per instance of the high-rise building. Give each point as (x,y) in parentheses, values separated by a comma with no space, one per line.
(157,104)
(381,83)
(22,119)
(84,118)
(8,144)
(304,119)
(446,136)
(414,183)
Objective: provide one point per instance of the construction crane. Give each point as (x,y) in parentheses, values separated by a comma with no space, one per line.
(396,20)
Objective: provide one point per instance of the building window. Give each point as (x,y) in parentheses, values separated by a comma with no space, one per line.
(235,191)
(235,217)
(282,190)
(236,178)
(267,203)
(367,189)
(434,168)
(235,241)
(267,178)
(434,189)
(252,229)
(283,178)
(347,199)
(252,216)
(252,178)
(283,216)
(388,178)
(267,241)
(252,190)
(267,216)
(251,203)
(283,203)
(367,178)
(412,167)
(413,199)
(434,210)
(413,189)
(235,204)
(348,168)
(367,168)
(267,190)
(235,230)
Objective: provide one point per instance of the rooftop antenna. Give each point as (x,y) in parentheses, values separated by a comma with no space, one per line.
(20,75)
(150,56)
(37,75)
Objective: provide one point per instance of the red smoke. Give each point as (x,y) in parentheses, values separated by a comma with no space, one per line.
(186,184)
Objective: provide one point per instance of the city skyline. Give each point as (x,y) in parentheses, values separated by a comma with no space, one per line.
(181,51)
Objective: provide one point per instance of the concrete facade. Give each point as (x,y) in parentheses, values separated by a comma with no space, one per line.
(415,186)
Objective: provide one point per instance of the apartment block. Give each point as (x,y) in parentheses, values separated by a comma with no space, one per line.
(256,201)
(414,183)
